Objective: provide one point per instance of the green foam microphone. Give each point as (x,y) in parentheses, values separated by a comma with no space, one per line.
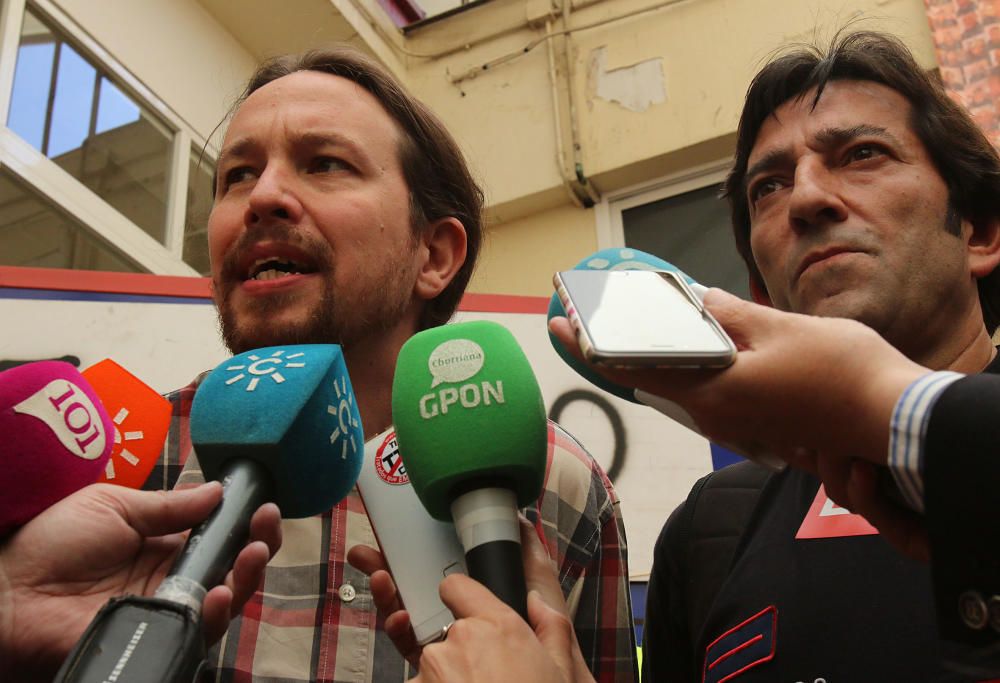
(471,429)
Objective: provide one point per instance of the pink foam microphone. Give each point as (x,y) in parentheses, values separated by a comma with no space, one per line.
(55,438)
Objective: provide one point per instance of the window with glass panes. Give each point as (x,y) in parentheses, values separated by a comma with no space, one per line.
(119,183)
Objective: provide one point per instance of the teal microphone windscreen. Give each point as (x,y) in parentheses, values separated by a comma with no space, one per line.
(468,414)
(615,258)
(292,410)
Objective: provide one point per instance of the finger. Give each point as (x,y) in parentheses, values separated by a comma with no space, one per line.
(366,559)
(466,597)
(742,320)
(247,575)
(901,527)
(400,632)
(215,609)
(155,513)
(265,526)
(384,592)
(438,663)
(538,572)
(555,632)
(561,328)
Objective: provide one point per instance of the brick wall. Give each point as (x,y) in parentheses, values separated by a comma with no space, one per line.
(967,41)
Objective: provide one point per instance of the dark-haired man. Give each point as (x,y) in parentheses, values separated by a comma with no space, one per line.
(345,213)
(861,191)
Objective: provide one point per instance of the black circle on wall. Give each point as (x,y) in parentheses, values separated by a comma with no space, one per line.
(614,419)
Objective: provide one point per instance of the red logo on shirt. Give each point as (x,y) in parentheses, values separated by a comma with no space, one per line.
(826,519)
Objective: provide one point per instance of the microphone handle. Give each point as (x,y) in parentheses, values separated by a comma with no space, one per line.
(213,546)
(486,522)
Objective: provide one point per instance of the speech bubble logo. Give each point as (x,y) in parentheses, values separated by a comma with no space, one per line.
(455,360)
(70,415)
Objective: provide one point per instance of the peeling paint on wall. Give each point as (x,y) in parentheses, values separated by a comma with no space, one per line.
(636,87)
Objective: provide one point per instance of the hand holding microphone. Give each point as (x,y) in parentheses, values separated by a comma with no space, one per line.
(100,542)
(472,432)
(490,643)
(274,424)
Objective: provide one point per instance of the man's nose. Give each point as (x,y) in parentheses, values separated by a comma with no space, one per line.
(273,198)
(815,198)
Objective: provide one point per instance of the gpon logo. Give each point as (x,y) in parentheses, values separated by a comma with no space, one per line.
(455,360)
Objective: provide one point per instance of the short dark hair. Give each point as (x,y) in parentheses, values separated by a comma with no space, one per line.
(434,168)
(960,151)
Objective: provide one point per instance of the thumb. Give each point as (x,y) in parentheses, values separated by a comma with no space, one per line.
(539,574)
(554,632)
(156,513)
(739,318)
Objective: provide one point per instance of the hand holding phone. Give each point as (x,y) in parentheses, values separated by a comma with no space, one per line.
(637,318)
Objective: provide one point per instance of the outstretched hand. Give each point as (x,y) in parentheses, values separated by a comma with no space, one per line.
(798,382)
(103,541)
(816,392)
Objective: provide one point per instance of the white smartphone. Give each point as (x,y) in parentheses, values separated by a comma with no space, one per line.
(419,550)
(641,318)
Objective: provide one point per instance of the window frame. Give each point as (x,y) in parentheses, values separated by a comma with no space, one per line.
(610,227)
(69,195)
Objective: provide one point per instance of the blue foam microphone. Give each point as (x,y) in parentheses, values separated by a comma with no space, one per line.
(275,424)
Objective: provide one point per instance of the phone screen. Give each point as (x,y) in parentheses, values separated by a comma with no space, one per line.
(627,313)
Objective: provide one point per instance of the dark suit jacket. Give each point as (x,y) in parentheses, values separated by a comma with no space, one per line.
(962,496)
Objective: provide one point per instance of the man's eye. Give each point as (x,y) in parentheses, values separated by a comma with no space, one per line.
(864,152)
(764,188)
(326,165)
(238,175)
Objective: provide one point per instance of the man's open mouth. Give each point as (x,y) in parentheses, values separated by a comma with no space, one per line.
(273,268)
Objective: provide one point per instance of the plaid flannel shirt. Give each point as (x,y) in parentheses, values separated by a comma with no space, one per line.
(314,618)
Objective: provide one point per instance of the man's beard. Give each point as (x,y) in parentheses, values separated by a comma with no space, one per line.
(345,318)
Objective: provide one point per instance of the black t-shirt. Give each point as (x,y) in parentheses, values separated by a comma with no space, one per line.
(847,608)
(829,610)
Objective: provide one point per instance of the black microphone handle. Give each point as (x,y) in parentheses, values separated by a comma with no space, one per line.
(486,522)
(498,566)
(214,544)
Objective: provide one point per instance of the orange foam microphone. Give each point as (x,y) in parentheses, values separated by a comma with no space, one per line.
(141,419)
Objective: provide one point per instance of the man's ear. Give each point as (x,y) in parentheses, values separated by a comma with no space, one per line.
(759,293)
(984,247)
(443,243)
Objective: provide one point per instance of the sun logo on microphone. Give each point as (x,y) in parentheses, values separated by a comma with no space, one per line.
(347,422)
(259,368)
(120,450)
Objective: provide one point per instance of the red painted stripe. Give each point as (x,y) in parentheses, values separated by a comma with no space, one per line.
(97,281)
(198,287)
(504,303)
